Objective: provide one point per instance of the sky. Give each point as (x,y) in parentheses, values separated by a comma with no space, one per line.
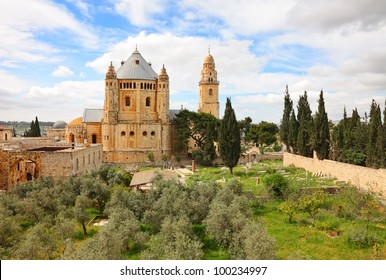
(54,54)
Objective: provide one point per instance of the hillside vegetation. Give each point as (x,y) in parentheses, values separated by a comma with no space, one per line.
(262,212)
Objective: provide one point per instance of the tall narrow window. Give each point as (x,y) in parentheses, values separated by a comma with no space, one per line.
(147,101)
(127,101)
(94,138)
(210,92)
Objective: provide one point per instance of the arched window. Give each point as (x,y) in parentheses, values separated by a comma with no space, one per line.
(147,101)
(144,134)
(127,101)
(6,137)
(152,134)
(123,133)
(210,92)
(72,137)
(131,133)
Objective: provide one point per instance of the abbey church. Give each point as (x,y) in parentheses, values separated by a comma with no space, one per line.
(136,118)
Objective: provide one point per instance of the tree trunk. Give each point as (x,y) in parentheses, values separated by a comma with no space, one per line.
(84,228)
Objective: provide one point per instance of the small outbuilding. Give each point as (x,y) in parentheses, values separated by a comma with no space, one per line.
(143,180)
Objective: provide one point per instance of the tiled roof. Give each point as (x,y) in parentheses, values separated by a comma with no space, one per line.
(145,177)
(92,115)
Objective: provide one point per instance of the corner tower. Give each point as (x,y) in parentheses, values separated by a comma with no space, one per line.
(209,88)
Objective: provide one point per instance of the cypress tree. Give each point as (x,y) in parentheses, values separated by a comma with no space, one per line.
(321,130)
(384,136)
(31,132)
(374,144)
(305,127)
(285,121)
(37,128)
(293,132)
(229,138)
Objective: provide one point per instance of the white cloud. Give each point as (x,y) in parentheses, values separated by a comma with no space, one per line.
(62,71)
(244,16)
(330,15)
(21,21)
(65,100)
(139,13)
(84,7)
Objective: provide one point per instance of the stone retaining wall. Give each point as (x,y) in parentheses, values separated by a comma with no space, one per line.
(363,177)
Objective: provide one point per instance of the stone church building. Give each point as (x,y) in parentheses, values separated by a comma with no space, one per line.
(136,119)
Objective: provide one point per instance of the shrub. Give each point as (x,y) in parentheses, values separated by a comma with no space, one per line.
(276,147)
(312,202)
(363,238)
(276,184)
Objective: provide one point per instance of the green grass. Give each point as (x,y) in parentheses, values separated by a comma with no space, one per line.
(325,238)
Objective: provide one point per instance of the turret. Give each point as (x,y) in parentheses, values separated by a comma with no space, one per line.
(111,96)
(163,95)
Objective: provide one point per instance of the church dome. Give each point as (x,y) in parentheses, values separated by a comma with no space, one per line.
(77,121)
(209,59)
(59,125)
(136,68)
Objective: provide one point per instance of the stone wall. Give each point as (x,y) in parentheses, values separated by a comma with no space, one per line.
(18,166)
(363,177)
(71,161)
(256,157)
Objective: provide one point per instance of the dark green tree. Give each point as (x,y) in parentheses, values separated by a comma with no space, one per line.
(263,133)
(37,128)
(202,128)
(375,142)
(304,144)
(229,138)
(244,126)
(321,133)
(293,132)
(286,119)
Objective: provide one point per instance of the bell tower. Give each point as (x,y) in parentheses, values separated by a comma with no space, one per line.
(209,87)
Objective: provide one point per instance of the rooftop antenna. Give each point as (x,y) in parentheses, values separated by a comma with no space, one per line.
(209,49)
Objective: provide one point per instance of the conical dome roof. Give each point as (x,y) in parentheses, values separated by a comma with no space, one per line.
(136,68)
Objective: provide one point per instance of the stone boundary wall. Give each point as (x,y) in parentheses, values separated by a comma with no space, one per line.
(363,177)
(71,161)
(259,157)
